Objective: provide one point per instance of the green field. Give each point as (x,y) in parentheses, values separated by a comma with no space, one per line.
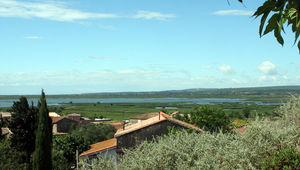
(123,111)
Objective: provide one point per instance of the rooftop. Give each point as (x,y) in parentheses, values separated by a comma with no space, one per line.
(73,114)
(53,114)
(145,116)
(157,119)
(56,119)
(101,146)
(5,114)
(6,131)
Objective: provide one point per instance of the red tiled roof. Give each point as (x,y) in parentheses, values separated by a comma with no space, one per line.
(242,129)
(117,123)
(97,147)
(154,120)
(56,119)
(145,116)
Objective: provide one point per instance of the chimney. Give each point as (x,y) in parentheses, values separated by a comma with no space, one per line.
(158,115)
(123,126)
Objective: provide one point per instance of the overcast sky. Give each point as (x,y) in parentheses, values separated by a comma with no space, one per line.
(79,46)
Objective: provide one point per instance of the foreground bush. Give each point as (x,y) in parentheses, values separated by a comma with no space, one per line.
(284,159)
(217,150)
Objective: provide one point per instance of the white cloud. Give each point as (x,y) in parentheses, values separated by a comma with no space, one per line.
(268,68)
(46,10)
(57,11)
(153,15)
(233,12)
(267,78)
(226,69)
(32,37)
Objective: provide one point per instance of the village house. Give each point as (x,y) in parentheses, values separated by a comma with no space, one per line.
(62,125)
(105,149)
(133,135)
(80,120)
(53,114)
(5,115)
(6,132)
(142,117)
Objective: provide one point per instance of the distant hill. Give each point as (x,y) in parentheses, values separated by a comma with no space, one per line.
(272,90)
(188,93)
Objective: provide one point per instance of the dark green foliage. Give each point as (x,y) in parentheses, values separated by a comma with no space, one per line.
(246,111)
(57,109)
(1,125)
(23,127)
(287,159)
(68,145)
(59,162)
(283,12)
(11,158)
(207,118)
(42,158)
(95,133)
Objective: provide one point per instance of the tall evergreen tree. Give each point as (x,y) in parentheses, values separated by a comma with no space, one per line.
(42,157)
(1,125)
(22,126)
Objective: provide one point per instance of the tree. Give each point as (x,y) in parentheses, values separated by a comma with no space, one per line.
(208,118)
(1,125)
(284,12)
(42,158)
(95,133)
(10,158)
(22,126)
(68,145)
(246,111)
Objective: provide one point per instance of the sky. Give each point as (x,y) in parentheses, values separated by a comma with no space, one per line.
(86,46)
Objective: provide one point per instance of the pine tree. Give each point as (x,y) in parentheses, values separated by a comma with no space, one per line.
(42,157)
(22,126)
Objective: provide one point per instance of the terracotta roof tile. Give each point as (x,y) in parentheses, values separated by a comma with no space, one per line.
(157,119)
(145,116)
(242,129)
(97,147)
(56,119)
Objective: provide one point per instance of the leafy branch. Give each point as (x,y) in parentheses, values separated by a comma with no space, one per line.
(283,11)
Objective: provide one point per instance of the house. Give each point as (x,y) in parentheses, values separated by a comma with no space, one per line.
(106,149)
(5,115)
(242,129)
(117,125)
(53,114)
(6,132)
(142,117)
(80,120)
(133,135)
(62,125)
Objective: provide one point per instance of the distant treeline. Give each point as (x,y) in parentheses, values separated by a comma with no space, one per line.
(196,92)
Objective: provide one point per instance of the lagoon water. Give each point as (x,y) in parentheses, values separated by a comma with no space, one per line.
(57,101)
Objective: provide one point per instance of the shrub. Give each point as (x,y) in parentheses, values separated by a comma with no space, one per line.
(284,159)
(207,118)
(219,150)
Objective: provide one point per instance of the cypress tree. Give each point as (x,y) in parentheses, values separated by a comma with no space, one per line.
(23,128)
(1,124)
(42,157)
